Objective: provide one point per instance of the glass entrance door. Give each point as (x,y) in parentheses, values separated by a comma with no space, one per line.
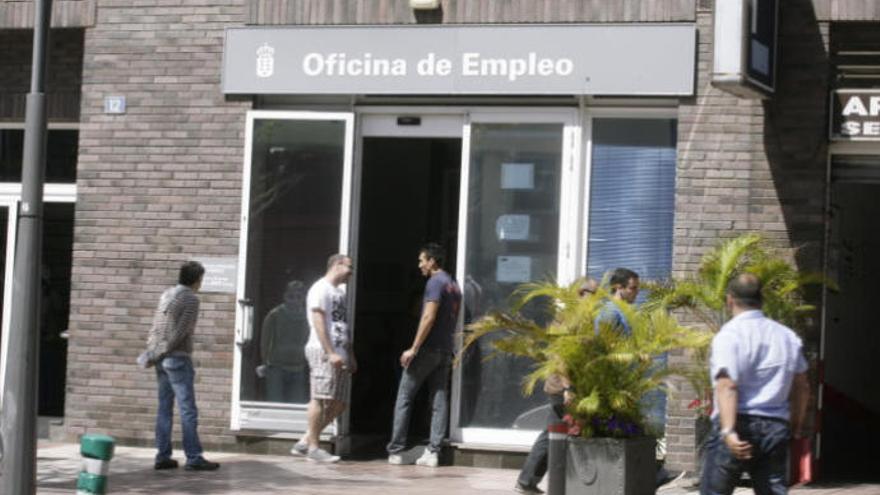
(295,214)
(514,228)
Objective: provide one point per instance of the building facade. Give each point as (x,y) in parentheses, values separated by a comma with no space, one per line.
(559,139)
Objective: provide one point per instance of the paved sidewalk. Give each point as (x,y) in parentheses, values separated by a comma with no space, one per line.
(131,472)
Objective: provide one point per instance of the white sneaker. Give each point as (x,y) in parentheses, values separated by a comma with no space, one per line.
(428,459)
(528,490)
(396,459)
(321,455)
(300,448)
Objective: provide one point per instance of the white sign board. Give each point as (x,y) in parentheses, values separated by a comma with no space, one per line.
(221,274)
(514,269)
(512,227)
(600,59)
(517,176)
(114,104)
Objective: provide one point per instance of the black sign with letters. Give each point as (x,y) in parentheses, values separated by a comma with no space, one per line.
(855,115)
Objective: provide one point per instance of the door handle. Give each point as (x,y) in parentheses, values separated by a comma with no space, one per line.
(244,331)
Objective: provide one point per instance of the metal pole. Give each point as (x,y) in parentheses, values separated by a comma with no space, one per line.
(556,458)
(19,407)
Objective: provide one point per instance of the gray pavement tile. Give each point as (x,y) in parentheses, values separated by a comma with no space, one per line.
(131,472)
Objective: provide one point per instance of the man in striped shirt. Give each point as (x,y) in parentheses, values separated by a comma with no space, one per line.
(171,342)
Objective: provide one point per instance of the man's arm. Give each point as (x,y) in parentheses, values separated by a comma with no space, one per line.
(726,393)
(323,336)
(267,335)
(800,394)
(426,323)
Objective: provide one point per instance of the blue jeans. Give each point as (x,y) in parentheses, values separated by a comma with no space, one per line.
(287,386)
(769,438)
(535,466)
(432,366)
(653,403)
(175,375)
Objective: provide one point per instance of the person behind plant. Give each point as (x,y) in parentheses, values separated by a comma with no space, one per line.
(559,395)
(282,339)
(761,390)
(428,359)
(624,287)
(330,357)
(171,341)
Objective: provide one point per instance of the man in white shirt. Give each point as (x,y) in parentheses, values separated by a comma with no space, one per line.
(761,393)
(330,356)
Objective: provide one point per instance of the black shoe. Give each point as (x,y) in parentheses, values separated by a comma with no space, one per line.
(165,464)
(202,465)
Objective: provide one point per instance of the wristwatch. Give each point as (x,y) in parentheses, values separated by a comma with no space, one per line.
(725,432)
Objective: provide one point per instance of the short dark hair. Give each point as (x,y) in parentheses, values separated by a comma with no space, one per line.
(336,258)
(745,289)
(621,276)
(190,273)
(434,251)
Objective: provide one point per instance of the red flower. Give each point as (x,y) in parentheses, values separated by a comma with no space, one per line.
(574,425)
(704,407)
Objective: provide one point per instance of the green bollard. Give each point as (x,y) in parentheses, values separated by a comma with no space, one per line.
(96,450)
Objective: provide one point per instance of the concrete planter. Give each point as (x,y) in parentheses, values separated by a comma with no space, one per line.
(610,466)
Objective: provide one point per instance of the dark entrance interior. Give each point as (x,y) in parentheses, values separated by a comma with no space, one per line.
(851,397)
(55,306)
(55,302)
(409,196)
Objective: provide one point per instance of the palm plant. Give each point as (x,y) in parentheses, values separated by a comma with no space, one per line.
(701,297)
(610,371)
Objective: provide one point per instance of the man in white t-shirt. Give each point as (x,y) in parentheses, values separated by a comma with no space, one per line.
(329,353)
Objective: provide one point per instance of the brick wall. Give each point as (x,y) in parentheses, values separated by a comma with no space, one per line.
(156,186)
(468,11)
(748,165)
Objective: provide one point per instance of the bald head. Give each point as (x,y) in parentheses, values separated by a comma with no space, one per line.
(744,291)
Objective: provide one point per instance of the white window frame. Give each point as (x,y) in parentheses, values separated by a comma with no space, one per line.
(262,415)
(566,261)
(374,121)
(589,115)
(10,197)
(11,230)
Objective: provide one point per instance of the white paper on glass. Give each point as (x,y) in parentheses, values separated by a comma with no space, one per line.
(512,227)
(517,176)
(514,269)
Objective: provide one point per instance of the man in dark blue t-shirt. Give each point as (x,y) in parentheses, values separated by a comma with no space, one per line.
(428,359)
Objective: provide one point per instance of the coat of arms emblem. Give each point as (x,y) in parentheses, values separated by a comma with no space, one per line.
(265,60)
